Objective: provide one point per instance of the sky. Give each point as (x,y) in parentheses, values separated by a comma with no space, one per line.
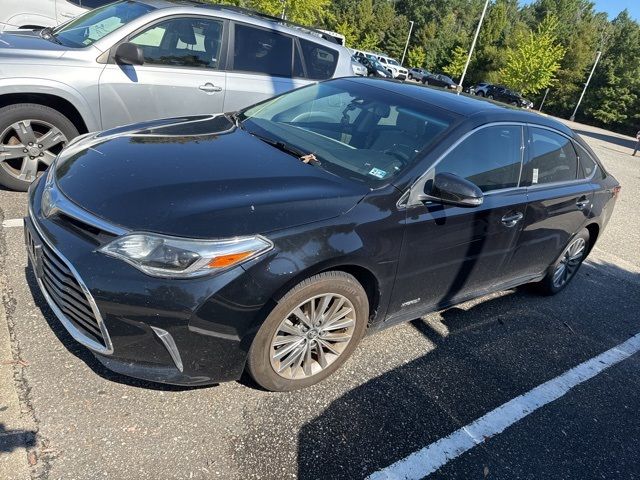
(614,7)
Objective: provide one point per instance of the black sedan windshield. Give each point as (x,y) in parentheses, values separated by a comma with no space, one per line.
(95,24)
(355,130)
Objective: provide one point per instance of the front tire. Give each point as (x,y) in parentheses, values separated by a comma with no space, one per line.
(310,333)
(31,136)
(480,94)
(562,271)
(410,77)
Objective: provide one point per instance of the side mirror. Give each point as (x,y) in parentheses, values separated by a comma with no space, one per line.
(451,189)
(129,54)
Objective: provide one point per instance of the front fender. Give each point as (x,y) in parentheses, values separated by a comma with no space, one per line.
(25,85)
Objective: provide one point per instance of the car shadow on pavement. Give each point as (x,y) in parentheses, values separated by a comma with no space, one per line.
(82,352)
(13,439)
(622,142)
(483,356)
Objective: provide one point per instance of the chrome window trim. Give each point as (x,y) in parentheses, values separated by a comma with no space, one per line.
(405,199)
(80,337)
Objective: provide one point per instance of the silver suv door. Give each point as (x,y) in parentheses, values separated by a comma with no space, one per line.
(183,73)
(264,63)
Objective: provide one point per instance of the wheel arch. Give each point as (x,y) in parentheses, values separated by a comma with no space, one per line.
(56,102)
(361,272)
(594,231)
(42,89)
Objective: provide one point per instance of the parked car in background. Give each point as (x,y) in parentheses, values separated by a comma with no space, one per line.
(417,74)
(394,67)
(302,223)
(140,60)
(374,67)
(439,80)
(35,14)
(481,88)
(358,68)
(505,95)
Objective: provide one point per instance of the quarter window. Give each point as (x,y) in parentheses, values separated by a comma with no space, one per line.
(262,51)
(321,61)
(182,42)
(587,164)
(491,158)
(553,158)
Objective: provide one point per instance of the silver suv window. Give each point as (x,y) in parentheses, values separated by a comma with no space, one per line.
(182,42)
(262,51)
(321,61)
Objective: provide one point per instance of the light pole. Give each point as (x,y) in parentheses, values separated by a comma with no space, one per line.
(406,45)
(473,45)
(546,92)
(586,85)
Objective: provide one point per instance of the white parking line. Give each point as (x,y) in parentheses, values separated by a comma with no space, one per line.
(429,459)
(13,222)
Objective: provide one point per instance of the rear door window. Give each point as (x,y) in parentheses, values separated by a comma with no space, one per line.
(262,51)
(553,158)
(320,61)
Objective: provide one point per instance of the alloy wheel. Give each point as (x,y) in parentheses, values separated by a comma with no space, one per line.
(312,336)
(28,147)
(569,262)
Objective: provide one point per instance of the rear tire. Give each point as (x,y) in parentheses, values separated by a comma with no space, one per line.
(22,125)
(410,77)
(562,271)
(318,343)
(490,97)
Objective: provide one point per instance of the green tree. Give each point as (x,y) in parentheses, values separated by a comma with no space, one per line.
(308,12)
(613,98)
(416,57)
(533,63)
(458,60)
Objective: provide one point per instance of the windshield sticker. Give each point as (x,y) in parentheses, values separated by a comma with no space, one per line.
(535,176)
(376,172)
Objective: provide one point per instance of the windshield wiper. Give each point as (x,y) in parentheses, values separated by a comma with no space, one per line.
(47,34)
(235,116)
(301,155)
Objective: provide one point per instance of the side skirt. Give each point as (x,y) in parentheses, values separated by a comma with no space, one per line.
(401,317)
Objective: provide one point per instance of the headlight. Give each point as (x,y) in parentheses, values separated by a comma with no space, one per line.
(49,194)
(164,256)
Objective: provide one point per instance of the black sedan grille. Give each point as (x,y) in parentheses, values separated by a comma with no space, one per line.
(65,291)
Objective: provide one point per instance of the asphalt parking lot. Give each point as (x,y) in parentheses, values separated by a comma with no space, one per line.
(62,415)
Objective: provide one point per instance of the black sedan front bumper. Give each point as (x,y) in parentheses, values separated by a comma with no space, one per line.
(181,331)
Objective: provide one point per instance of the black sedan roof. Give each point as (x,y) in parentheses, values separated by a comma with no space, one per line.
(463,104)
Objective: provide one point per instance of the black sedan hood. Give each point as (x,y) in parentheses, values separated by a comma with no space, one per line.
(199,177)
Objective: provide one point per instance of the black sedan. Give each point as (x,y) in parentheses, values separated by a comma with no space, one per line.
(439,80)
(374,68)
(503,94)
(189,250)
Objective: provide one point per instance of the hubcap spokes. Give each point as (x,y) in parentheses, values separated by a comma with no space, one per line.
(569,263)
(312,336)
(27,145)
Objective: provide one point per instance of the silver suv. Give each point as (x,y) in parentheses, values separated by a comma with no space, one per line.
(137,60)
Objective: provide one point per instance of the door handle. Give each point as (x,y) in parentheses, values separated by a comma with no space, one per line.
(582,203)
(210,88)
(511,219)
